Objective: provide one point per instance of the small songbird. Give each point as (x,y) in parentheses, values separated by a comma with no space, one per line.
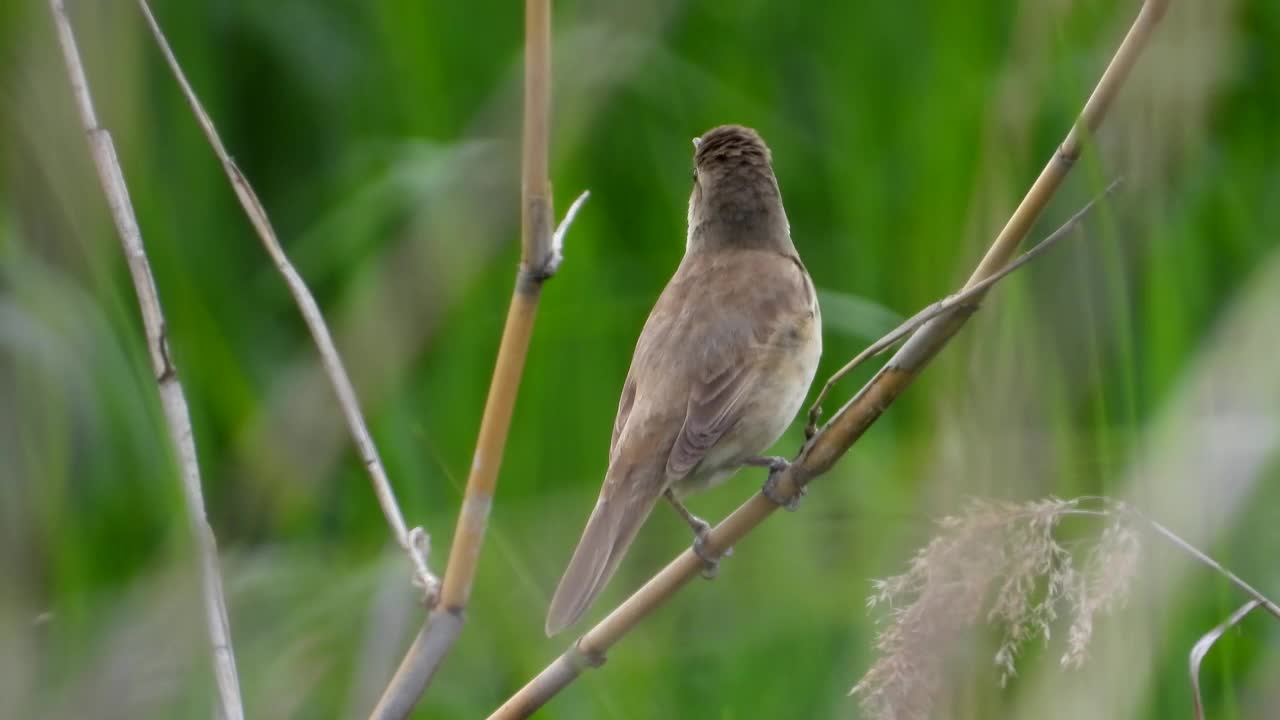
(721,367)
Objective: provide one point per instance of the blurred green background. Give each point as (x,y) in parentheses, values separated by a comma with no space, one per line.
(383,138)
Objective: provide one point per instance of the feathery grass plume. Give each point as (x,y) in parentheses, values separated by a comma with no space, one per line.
(999,561)
(1103,586)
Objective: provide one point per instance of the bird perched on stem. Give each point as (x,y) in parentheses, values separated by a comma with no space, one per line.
(720,369)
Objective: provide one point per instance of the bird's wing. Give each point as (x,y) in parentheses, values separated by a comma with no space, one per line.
(756,320)
(625,402)
(715,405)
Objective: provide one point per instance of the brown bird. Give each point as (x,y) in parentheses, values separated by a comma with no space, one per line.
(720,369)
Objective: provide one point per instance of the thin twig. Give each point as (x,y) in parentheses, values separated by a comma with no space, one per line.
(946,304)
(851,421)
(1263,601)
(173,399)
(540,258)
(415,541)
(1205,643)
(1117,508)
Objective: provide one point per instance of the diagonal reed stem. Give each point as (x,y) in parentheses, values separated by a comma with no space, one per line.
(835,438)
(415,541)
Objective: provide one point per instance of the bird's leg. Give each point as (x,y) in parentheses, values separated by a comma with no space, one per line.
(700,529)
(770,487)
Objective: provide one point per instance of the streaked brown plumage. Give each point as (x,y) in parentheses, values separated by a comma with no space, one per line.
(721,367)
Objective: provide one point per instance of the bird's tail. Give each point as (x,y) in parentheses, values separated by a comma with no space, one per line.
(613,525)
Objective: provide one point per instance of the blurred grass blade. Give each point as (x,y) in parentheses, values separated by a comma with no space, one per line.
(1205,644)
(855,316)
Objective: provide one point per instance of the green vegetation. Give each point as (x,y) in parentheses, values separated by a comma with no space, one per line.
(1137,360)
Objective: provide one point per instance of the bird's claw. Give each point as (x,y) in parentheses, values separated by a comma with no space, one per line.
(770,487)
(710,563)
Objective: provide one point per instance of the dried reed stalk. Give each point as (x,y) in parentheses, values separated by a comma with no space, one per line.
(415,542)
(173,399)
(540,258)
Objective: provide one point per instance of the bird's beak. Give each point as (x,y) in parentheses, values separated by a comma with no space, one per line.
(696,142)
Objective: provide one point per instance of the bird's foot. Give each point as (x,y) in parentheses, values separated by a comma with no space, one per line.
(710,563)
(776,465)
(700,528)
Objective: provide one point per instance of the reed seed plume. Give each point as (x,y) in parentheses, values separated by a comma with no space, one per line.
(1002,563)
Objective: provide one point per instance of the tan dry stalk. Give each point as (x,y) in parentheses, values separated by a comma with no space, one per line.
(415,542)
(838,434)
(173,399)
(540,257)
